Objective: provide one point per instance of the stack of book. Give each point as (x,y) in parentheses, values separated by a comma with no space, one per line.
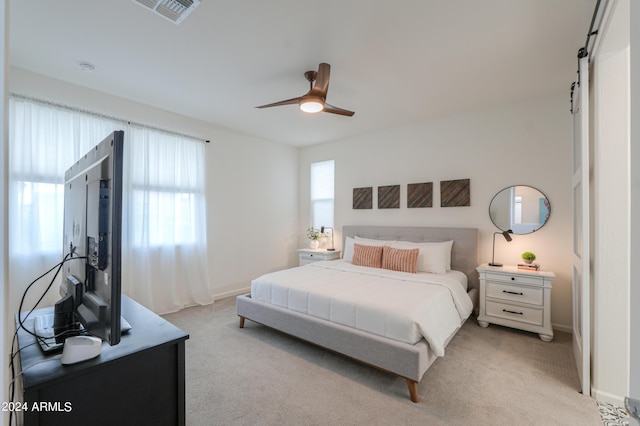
(529,266)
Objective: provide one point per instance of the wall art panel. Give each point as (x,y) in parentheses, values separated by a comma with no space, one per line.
(455,193)
(389,197)
(363,198)
(420,195)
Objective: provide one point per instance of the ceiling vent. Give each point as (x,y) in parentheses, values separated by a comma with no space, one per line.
(173,10)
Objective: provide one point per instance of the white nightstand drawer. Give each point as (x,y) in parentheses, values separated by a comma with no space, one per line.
(515,313)
(514,278)
(531,295)
(307,256)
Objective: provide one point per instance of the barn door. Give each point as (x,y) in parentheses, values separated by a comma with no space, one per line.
(581,277)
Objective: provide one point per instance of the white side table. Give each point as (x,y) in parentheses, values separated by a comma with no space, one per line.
(316,255)
(516,298)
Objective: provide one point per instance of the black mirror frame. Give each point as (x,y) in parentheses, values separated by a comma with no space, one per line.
(548,203)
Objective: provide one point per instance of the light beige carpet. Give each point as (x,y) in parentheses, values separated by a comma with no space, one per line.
(257,376)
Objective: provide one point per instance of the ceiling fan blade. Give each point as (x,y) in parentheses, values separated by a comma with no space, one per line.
(287,102)
(322,81)
(336,110)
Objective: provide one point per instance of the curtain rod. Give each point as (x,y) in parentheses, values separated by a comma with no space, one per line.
(601,11)
(592,41)
(585,50)
(105,116)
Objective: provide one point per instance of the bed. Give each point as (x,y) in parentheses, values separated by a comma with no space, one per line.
(304,302)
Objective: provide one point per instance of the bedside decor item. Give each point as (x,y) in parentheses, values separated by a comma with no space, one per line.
(528,257)
(322,228)
(507,237)
(521,208)
(529,266)
(314,236)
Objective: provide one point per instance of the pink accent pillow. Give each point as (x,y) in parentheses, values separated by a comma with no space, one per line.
(367,256)
(404,260)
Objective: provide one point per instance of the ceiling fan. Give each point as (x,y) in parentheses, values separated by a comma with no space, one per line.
(314,100)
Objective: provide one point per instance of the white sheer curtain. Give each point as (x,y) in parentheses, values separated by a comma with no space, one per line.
(164,258)
(43,142)
(165,233)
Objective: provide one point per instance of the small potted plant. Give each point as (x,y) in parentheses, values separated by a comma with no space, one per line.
(528,257)
(314,236)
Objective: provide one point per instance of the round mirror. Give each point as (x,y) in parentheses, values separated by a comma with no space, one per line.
(521,209)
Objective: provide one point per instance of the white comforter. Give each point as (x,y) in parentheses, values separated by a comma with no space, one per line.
(397,305)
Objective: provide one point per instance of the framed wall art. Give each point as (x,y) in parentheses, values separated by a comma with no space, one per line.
(363,198)
(455,193)
(389,197)
(420,195)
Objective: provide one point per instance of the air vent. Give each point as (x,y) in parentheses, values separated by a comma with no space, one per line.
(173,10)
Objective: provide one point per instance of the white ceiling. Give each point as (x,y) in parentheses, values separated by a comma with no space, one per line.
(393,62)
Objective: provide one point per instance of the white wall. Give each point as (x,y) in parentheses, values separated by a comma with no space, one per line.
(611,262)
(251,189)
(527,143)
(252,208)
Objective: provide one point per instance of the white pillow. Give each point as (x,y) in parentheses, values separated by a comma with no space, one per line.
(349,242)
(449,246)
(433,257)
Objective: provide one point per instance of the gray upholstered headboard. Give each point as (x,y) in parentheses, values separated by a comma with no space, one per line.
(464,253)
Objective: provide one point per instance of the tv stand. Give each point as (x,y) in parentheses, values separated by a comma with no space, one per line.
(139,381)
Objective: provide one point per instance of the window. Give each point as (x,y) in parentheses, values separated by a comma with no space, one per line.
(167,189)
(170,223)
(322,193)
(44,141)
(39,218)
(166,183)
(164,212)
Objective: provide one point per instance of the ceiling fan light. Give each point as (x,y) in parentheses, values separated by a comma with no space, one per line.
(311,104)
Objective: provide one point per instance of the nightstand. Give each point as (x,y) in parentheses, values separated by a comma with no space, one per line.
(316,255)
(516,298)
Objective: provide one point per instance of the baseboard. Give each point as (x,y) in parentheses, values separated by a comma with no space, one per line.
(231,293)
(559,327)
(607,397)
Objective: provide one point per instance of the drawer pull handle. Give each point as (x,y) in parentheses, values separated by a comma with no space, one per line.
(512,312)
(513,278)
(513,292)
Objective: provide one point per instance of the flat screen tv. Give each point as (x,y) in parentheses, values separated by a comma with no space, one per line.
(91,285)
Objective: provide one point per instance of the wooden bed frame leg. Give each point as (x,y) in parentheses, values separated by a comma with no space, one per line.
(413,390)
(241,322)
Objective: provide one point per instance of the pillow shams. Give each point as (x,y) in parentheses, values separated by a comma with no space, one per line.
(364,255)
(432,257)
(404,260)
(349,242)
(372,241)
(449,247)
